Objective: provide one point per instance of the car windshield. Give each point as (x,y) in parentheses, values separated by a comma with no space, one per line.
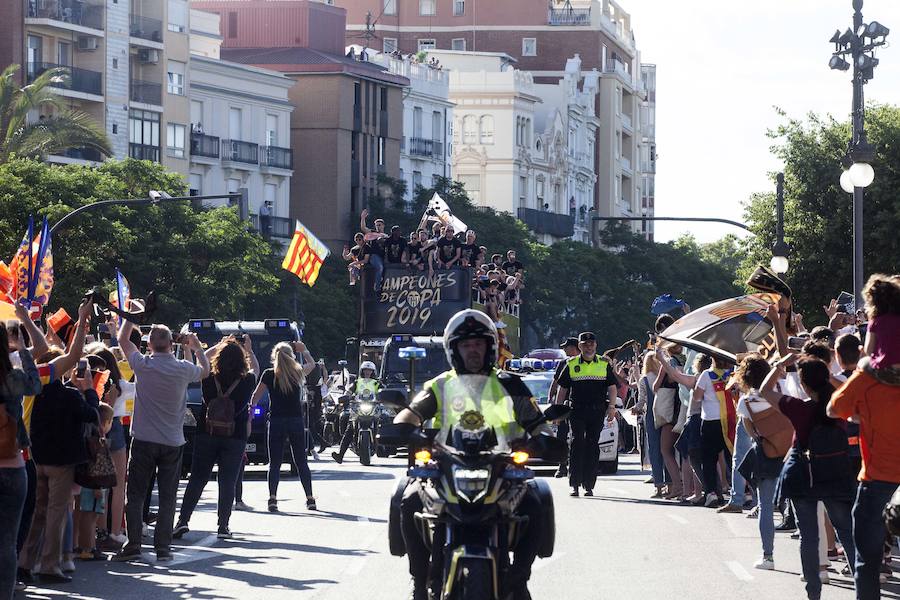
(540,388)
(434,363)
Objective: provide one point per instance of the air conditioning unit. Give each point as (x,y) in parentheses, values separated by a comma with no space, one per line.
(87,42)
(148,56)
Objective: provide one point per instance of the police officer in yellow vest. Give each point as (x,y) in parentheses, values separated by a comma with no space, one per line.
(474,383)
(366,382)
(589,384)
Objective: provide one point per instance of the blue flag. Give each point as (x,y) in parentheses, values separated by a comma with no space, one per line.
(664,304)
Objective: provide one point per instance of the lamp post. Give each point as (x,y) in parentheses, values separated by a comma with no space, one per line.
(779,262)
(858,44)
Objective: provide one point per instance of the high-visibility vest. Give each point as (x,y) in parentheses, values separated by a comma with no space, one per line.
(454,399)
(581,370)
(363,384)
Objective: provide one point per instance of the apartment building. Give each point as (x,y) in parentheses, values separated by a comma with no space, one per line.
(540,36)
(648,148)
(347,121)
(425,149)
(239,130)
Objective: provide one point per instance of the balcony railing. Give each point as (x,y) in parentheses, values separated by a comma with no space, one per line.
(77,80)
(438,146)
(143,152)
(569,16)
(238,151)
(278,227)
(74,12)
(146,28)
(273,156)
(148,92)
(554,224)
(82,154)
(421,147)
(204,145)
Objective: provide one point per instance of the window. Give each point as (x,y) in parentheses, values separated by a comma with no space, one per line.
(390,45)
(195,183)
(417,122)
(458,44)
(416,180)
(426,45)
(529,46)
(35,54)
(472,184)
(357,97)
(389,7)
(270,192)
(232,24)
(381,158)
(487,129)
(175,140)
(427,8)
(143,134)
(178,13)
(539,192)
(459,8)
(271,130)
(176,78)
(470,129)
(523,191)
(436,127)
(64,54)
(196,113)
(384,98)
(234,123)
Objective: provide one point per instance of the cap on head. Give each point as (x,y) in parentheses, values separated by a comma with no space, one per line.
(569,342)
(587,336)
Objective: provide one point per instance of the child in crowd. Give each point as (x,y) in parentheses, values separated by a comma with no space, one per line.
(91,504)
(882,296)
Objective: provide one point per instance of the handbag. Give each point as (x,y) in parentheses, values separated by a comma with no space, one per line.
(772,430)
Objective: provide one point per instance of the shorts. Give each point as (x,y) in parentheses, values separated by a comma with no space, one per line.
(88,503)
(116,435)
(689,440)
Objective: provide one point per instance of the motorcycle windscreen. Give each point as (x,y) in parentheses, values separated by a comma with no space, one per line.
(468,403)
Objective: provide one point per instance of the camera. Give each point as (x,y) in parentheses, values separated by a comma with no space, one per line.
(178,338)
(82,368)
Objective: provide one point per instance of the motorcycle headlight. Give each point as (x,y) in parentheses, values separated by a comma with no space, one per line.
(471,484)
(366,409)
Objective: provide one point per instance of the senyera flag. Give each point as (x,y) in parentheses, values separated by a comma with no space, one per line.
(305,255)
(31,269)
(120,296)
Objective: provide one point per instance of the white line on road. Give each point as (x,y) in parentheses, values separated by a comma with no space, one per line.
(739,571)
(618,491)
(195,551)
(677,519)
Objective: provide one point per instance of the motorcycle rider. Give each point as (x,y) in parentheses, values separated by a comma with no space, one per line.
(366,382)
(471,346)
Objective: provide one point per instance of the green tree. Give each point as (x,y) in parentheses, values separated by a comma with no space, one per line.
(818,214)
(61,130)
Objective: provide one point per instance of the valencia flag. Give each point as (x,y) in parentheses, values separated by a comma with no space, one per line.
(305,255)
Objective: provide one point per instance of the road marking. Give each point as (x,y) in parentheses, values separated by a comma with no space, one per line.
(195,551)
(362,519)
(618,491)
(358,563)
(677,519)
(739,571)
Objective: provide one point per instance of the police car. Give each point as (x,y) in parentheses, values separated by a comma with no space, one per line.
(264,335)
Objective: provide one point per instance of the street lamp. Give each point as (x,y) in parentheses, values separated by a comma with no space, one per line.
(780,250)
(859,44)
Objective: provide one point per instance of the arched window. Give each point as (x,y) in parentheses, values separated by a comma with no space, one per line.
(487,129)
(470,129)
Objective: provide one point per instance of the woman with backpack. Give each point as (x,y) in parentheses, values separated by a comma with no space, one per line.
(817,468)
(285,383)
(223,427)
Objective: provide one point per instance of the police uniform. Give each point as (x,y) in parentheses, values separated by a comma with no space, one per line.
(507,405)
(588,383)
(366,383)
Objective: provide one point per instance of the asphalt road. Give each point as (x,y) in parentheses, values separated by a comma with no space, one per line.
(617,545)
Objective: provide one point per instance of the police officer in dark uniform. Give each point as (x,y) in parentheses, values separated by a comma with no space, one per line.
(570,347)
(589,383)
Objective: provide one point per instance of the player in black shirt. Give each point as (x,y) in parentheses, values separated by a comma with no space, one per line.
(471,252)
(449,250)
(511,266)
(357,256)
(394,246)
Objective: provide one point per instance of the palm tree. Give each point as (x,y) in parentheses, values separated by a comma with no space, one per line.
(53,134)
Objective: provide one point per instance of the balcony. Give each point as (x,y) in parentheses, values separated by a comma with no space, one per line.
(275,157)
(569,16)
(78,80)
(543,222)
(421,147)
(626,164)
(146,28)
(146,92)
(66,12)
(277,227)
(240,152)
(626,122)
(204,145)
(438,146)
(143,152)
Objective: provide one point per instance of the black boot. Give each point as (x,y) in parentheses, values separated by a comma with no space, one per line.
(418,589)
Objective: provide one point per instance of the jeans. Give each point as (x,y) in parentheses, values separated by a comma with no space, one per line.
(742,444)
(239,484)
(657,467)
(869,533)
(765,491)
(13,489)
(146,459)
(211,450)
(51,508)
(712,441)
(806,510)
(377,264)
(28,509)
(584,449)
(293,429)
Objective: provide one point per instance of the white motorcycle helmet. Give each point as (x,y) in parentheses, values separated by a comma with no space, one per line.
(470,324)
(367,364)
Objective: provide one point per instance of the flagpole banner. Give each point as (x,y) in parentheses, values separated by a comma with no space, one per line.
(42,280)
(305,255)
(439,210)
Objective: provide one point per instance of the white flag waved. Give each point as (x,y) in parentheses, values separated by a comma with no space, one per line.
(438,209)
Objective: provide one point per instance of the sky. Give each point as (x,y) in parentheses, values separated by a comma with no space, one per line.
(722,67)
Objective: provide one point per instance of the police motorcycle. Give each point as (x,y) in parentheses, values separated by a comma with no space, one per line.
(470,486)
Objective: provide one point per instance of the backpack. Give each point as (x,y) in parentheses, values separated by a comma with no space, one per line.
(99,472)
(220,411)
(829,455)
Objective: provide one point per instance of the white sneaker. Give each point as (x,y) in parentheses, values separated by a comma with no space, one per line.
(765,563)
(118,538)
(67,566)
(239,505)
(823,577)
(711,500)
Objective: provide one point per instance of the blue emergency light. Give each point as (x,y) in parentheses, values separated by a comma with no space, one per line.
(412,353)
(203,324)
(277,324)
(257,411)
(401,338)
